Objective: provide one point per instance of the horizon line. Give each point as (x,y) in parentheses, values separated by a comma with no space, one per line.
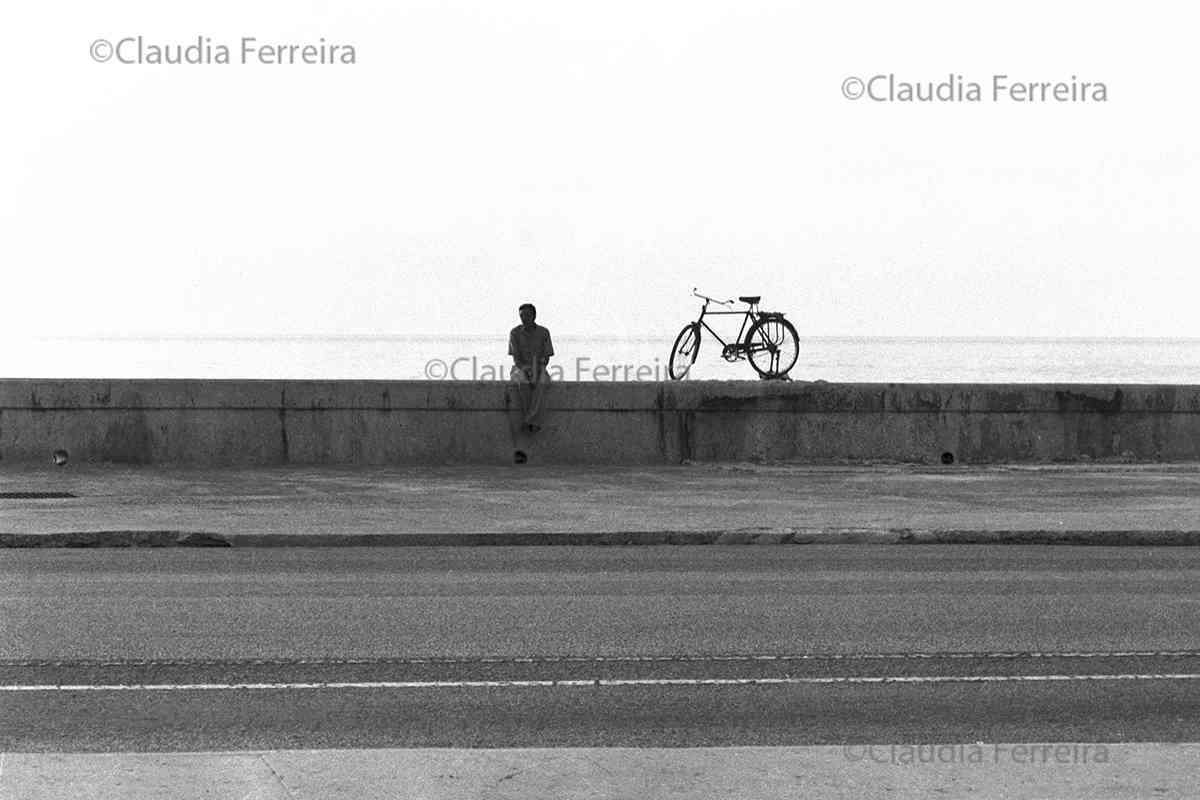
(574,336)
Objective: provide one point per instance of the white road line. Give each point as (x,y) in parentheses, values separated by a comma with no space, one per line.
(547,684)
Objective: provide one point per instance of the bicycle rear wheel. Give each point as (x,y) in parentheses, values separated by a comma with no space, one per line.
(683,354)
(773,347)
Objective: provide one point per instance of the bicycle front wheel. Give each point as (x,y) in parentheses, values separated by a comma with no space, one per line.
(683,354)
(773,347)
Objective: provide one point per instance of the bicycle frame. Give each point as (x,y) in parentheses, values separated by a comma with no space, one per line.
(749,317)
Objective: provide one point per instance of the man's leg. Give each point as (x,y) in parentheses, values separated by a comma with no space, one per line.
(524,391)
(519,385)
(538,400)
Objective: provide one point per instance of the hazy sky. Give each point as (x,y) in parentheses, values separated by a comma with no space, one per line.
(599,159)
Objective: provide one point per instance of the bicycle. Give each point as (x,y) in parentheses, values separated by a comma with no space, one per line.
(770,342)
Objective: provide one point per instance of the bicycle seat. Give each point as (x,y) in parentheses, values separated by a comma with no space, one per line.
(750,300)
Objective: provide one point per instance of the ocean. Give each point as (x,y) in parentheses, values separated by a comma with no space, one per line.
(422,357)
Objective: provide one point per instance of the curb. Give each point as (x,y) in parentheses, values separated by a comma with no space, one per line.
(757,536)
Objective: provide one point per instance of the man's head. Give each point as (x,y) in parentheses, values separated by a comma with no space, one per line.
(528,313)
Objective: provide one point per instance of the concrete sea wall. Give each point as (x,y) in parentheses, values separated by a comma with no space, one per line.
(429,422)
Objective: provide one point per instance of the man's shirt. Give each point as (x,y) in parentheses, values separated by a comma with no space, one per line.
(530,347)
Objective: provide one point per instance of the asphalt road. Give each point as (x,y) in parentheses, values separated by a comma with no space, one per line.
(650,646)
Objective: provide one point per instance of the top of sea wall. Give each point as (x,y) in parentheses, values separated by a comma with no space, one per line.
(793,397)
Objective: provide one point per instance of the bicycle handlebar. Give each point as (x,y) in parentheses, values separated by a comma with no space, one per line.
(708,299)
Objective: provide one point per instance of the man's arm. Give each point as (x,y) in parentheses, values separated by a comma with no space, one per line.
(512,348)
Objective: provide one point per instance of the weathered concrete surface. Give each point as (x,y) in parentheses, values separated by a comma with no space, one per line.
(426,422)
(970,769)
(700,504)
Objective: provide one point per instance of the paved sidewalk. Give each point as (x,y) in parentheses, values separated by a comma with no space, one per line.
(1023,770)
(650,505)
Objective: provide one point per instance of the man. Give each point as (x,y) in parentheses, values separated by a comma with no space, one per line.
(530,348)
